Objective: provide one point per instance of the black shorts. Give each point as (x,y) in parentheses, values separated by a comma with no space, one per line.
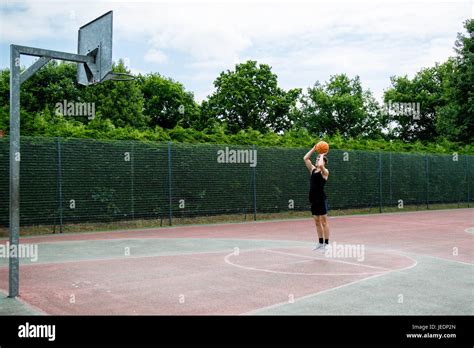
(319,207)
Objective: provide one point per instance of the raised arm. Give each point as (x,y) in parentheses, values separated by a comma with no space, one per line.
(307,160)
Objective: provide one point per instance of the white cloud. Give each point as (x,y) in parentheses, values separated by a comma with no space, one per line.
(155,56)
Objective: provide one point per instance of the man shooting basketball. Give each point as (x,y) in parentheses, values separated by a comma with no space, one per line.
(317,196)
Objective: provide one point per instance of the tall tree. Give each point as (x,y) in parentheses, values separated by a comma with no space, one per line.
(167,103)
(341,106)
(119,101)
(456,118)
(249,97)
(53,83)
(426,90)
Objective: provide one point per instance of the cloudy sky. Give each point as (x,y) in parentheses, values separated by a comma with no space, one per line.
(303,41)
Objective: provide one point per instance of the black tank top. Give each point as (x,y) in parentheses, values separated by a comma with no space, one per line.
(316,188)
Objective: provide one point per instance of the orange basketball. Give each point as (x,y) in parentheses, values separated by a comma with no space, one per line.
(322,147)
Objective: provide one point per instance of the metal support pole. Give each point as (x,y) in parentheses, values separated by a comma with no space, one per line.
(427,183)
(15,158)
(254,189)
(41,52)
(132,176)
(467,183)
(60,185)
(25,75)
(380,182)
(169,185)
(16,79)
(390,178)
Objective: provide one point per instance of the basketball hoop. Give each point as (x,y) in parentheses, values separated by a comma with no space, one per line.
(94,58)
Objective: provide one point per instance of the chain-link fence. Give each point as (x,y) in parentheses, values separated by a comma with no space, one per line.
(65,181)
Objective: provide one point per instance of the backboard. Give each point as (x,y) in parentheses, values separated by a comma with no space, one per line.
(95,38)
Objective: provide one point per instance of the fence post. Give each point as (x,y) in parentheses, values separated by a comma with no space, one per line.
(390,178)
(467,182)
(254,188)
(169,185)
(427,182)
(132,174)
(60,184)
(380,182)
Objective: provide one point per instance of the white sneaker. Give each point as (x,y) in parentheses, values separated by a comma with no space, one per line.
(324,248)
(318,246)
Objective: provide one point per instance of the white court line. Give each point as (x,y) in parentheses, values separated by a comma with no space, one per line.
(121,258)
(279,304)
(449,260)
(404,253)
(331,289)
(248,268)
(469,230)
(327,259)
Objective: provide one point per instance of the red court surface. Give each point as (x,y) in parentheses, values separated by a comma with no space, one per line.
(248,267)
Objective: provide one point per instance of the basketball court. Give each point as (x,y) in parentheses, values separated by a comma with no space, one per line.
(387,264)
(411,263)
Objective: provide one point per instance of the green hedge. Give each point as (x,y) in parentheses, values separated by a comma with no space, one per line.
(45,125)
